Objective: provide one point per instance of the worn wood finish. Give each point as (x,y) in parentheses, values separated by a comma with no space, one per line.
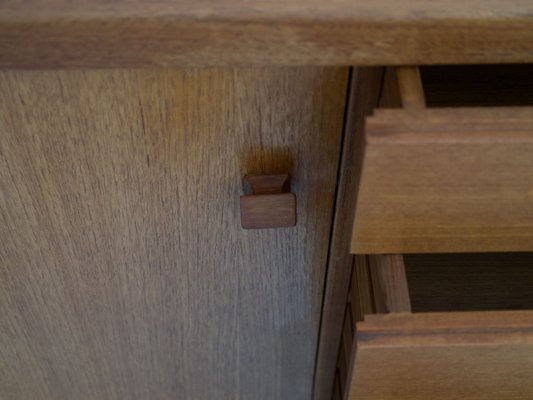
(411,88)
(97,33)
(389,283)
(124,272)
(446,180)
(363,97)
(484,355)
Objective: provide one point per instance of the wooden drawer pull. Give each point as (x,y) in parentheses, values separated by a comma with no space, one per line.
(267,202)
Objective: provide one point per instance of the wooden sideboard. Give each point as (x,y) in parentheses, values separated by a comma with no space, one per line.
(127,131)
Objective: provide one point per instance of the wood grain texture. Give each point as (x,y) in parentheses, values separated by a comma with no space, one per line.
(390,91)
(448,356)
(447,180)
(124,272)
(268,202)
(97,33)
(363,97)
(268,211)
(445,328)
(361,290)
(389,283)
(362,302)
(379,285)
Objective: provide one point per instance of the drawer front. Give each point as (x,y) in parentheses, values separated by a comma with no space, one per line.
(439,355)
(443,180)
(474,355)
(446,180)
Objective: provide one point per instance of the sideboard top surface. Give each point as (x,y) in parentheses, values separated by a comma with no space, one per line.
(135,33)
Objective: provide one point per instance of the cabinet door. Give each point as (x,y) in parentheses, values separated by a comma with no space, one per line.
(124,271)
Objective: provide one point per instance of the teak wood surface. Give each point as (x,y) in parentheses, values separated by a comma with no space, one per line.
(389,283)
(268,211)
(267,202)
(446,180)
(445,356)
(124,271)
(363,98)
(379,285)
(98,33)
(410,87)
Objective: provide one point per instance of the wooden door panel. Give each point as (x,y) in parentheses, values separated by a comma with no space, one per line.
(124,272)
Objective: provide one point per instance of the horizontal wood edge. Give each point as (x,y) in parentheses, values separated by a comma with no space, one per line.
(488,10)
(231,33)
(483,125)
(446,244)
(444,113)
(446,329)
